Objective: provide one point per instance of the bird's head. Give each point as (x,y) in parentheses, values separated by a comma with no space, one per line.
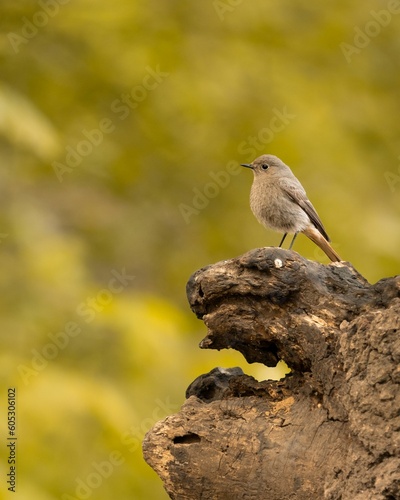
(265,165)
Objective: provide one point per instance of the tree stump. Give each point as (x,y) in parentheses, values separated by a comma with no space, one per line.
(330,429)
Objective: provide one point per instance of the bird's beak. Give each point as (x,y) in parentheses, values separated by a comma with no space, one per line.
(247,165)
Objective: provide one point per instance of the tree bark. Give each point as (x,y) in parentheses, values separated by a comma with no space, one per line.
(330,429)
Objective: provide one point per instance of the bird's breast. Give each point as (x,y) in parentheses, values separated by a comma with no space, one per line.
(274,209)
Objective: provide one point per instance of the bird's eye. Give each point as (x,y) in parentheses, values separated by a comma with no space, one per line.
(265,166)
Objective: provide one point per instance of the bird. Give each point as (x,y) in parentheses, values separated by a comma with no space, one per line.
(279,201)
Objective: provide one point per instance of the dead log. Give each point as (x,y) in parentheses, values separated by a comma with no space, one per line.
(331,429)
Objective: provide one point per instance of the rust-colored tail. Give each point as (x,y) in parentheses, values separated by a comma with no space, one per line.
(316,237)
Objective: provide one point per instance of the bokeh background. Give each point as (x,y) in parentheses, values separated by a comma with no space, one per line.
(122,125)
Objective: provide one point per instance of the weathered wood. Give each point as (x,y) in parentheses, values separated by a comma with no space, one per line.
(331,429)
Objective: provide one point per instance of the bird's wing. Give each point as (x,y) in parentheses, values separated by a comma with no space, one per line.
(296,193)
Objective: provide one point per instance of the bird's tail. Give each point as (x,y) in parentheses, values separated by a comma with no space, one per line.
(316,237)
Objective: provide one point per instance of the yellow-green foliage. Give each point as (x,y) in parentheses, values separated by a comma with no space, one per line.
(122,126)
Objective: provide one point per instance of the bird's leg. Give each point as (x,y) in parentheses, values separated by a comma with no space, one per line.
(294,237)
(283,239)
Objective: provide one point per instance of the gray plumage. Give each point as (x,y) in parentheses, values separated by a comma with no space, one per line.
(279,201)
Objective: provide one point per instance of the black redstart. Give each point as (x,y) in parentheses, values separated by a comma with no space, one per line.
(279,202)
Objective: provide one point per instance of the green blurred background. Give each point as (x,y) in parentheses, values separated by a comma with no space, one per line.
(182,92)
